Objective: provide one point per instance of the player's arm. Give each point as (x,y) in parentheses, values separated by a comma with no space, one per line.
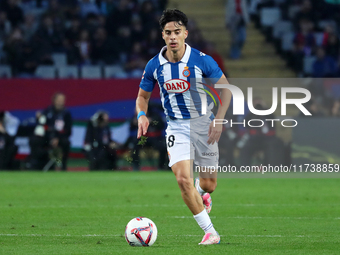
(225,95)
(142,105)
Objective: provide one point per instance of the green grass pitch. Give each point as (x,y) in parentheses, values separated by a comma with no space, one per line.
(86,213)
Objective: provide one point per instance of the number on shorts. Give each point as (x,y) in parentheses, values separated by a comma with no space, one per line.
(171,141)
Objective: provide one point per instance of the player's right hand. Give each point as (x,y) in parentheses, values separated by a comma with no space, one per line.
(143,124)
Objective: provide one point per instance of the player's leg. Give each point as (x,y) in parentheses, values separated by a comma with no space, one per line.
(190,196)
(209,185)
(193,200)
(179,151)
(207,157)
(206,184)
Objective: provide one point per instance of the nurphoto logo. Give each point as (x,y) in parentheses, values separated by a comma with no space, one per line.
(238,105)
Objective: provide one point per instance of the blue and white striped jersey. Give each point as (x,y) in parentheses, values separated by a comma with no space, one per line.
(180,93)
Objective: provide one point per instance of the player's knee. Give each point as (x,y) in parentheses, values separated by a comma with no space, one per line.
(212,186)
(209,185)
(184,183)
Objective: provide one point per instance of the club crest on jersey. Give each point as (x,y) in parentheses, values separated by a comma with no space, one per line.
(186,72)
(176,86)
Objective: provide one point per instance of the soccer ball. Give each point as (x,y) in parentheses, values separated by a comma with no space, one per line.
(141,231)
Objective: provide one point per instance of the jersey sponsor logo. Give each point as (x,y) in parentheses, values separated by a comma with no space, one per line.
(186,72)
(176,86)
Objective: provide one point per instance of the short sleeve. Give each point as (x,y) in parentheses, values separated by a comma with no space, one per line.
(211,68)
(148,81)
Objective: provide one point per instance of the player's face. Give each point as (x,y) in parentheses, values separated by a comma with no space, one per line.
(174,36)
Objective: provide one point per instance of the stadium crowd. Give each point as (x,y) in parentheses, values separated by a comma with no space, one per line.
(88,32)
(306,34)
(123,33)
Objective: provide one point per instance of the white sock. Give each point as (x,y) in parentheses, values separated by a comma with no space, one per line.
(204,221)
(200,190)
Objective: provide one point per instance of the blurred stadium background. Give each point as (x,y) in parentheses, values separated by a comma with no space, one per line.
(94,52)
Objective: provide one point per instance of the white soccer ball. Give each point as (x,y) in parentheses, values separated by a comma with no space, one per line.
(141,231)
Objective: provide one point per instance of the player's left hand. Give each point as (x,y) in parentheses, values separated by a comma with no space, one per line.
(214,133)
(143,124)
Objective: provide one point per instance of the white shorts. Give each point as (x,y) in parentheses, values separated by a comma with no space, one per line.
(187,139)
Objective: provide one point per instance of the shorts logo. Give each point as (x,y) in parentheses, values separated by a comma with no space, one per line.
(186,72)
(209,154)
(176,86)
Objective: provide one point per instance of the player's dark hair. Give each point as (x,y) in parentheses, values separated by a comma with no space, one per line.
(173,15)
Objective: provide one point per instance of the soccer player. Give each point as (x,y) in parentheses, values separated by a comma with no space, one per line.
(189,131)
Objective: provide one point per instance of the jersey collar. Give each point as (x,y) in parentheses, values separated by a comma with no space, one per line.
(185,58)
